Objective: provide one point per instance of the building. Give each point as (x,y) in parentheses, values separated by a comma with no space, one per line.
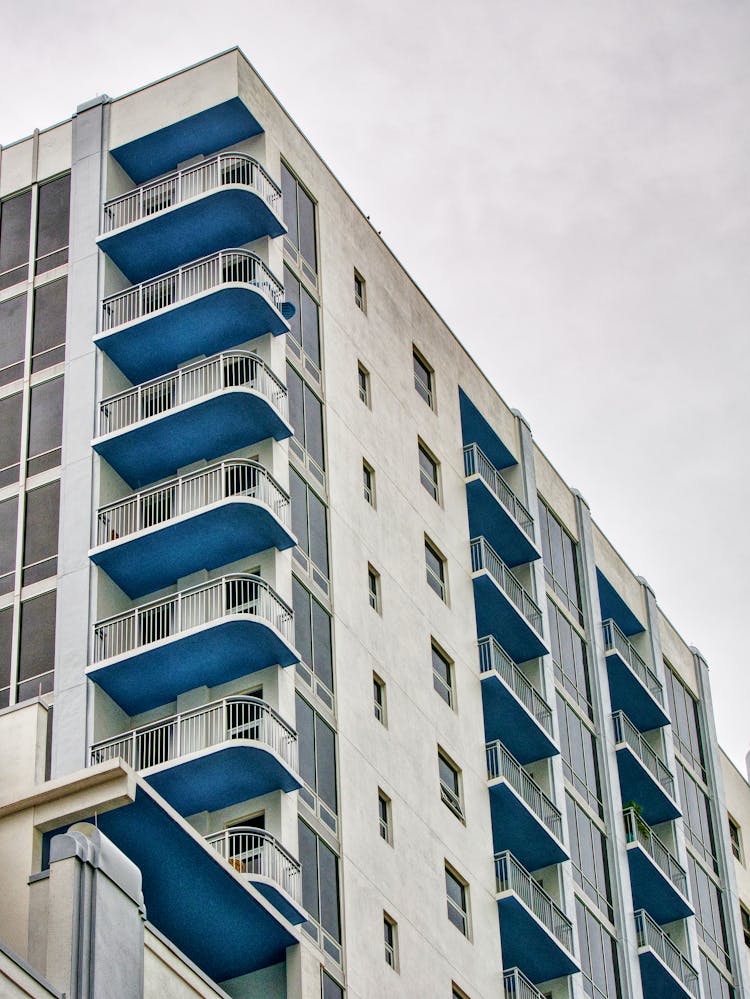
(317,679)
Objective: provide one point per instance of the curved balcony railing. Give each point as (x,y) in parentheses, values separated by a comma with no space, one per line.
(237,169)
(638,831)
(229,370)
(245,718)
(502,764)
(476,462)
(484,556)
(650,934)
(627,733)
(228,267)
(493,658)
(236,595)
(616,641)
(257,853)
(512,876)
(517,986)
(190,493)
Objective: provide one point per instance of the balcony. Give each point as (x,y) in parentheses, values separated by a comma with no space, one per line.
(202,636)
(503,607)
(634,687)
(200,521)
(658,881)
(202,308)
(524,819)
(536,934)
(495,512)
(211,757)
(644,778)
(664,970)
(259,857)
(202,411)
(228,200)
(514,711)
(517,986)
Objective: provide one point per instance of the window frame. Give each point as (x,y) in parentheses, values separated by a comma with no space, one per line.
(360,292)
(431,485)
(463,915)
(440,587)
(374,589)
(390,941)
(385,817)
(379,699)
(363,385)
(368,483)
(446,689)
(452,797)
(735,840)
(424,386)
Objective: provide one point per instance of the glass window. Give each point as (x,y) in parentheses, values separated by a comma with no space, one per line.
(36,664)
(373,588)
(45,426)
(330,989)
(317,760)
(423,379)
(306,417)
(708,900)
(384,817)
(368,482)
(588,853)
(320,890)
(442,674)
(6,648)
(598,953)
(53,224)
(390,938)
(363,380)
(436,573)
(745,917)
(289,202)
(378,699)
(312,635)
(457,894)
(683,709)
(40,534)
(735,838)
(48,344)
(569,658)
(359,292)
(450,784)
(696,815)
(560,556)
(8,533)
(715,986)
(309,522)
(299,218)
(12,338)
(15,227)
(428,472)
(578,751)
(10,438)
(304,324)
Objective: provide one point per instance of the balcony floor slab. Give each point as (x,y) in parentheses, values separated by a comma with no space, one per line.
(639,785)
(489,518)
(658,980)
(516,828)
(629,695)
(528,944)
(507,719)
(497,615)
(653,890)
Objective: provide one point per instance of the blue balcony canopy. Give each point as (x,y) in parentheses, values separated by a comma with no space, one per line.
(517,828)
(630,695)
(476,429)
(653,890)
(528,945)
(639,785)
(613,606)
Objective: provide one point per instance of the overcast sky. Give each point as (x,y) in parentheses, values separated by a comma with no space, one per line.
(568,182)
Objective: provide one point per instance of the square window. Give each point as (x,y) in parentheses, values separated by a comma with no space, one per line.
(450,784)
(390,938)
(457,893)
(378,699)
(424,379)
(436,571)
(368,482)
(429,474)
(363,378)
(442,675)
(384,817)
(359,292)
(373,588)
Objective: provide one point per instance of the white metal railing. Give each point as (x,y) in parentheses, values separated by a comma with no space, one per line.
(476,462)
(235,169)
(239,594)
(484,556)
(494,658)
(245,718)
(638,831)
(502,764)
(510,875)
(616,641)
(180,285)
(229,370)
(517,986)
(189,493)
(626,732)
(257,853)
(650,934)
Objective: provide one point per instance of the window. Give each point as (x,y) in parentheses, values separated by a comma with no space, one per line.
(598,953)
(735,839)
(373,588)
(299,218)
(569,658)
(12,338)
(53,224)
(36,663)
(306,418)
(708,900)
(384,817)
(329,988)
(48,337)
(714,984)
(317,762)
(429,472)
(450,784)
(320,891)
(378,699)
(458,993)
(745,917)
(304,326)
(578,751)
(10,438)
(696,815)
(423,379)
(683,709)
(45,426)
(8,522)
(310,527)
(359,292)
(390,937)
(6,646)
(442,674)
(312,639)
(363,380)
(588,853)
(457,893)
(559,553)
(436,573)
(40,534)
(15,227)
(368,482)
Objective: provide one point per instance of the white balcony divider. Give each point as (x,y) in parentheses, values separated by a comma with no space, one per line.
(502,764)
(494,658)
(228,267)
(627,733)
(517,986)
(190,493)
(484,556)
(638,831)
(236,595)
(616,641)
(229,370)
(476,462)
(245,718)
(650,934)
(257,853)
(236,169)
(510,875)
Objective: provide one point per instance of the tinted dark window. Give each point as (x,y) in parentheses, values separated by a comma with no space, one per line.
(12,338)
(305,416)
(312,633)
(696,814)
(317,754)
(306,215)
(37,653)
(6,645)
(331,989)
(304,324)
(309,521)
(53,225)
(588,853)
(289,200)
(559,553)
(15,222)
(598,953)
(48,344)
(8,522)
(709,911)
(45,426)
(569,657)
(308,856)
(10,438)
(578,751)
(320,882)
(40,534)
(683,709)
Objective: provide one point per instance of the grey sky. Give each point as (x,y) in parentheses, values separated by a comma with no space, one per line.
(567,181)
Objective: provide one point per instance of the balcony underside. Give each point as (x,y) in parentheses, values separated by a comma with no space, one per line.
(652,889)
(201,134)
(629,695)
(225,650)
(529,945)
(201,326)
(220,776)
(613,606)
(209,538)
(497,615)
(488,518)
(640,786)
(213,426)
(476,430)
(516,828)
(225,216)
(507,719)
(658,981)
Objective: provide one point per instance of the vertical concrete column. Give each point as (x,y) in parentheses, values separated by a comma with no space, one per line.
(77,480)
(95,938)
(622,896)
(719,816)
